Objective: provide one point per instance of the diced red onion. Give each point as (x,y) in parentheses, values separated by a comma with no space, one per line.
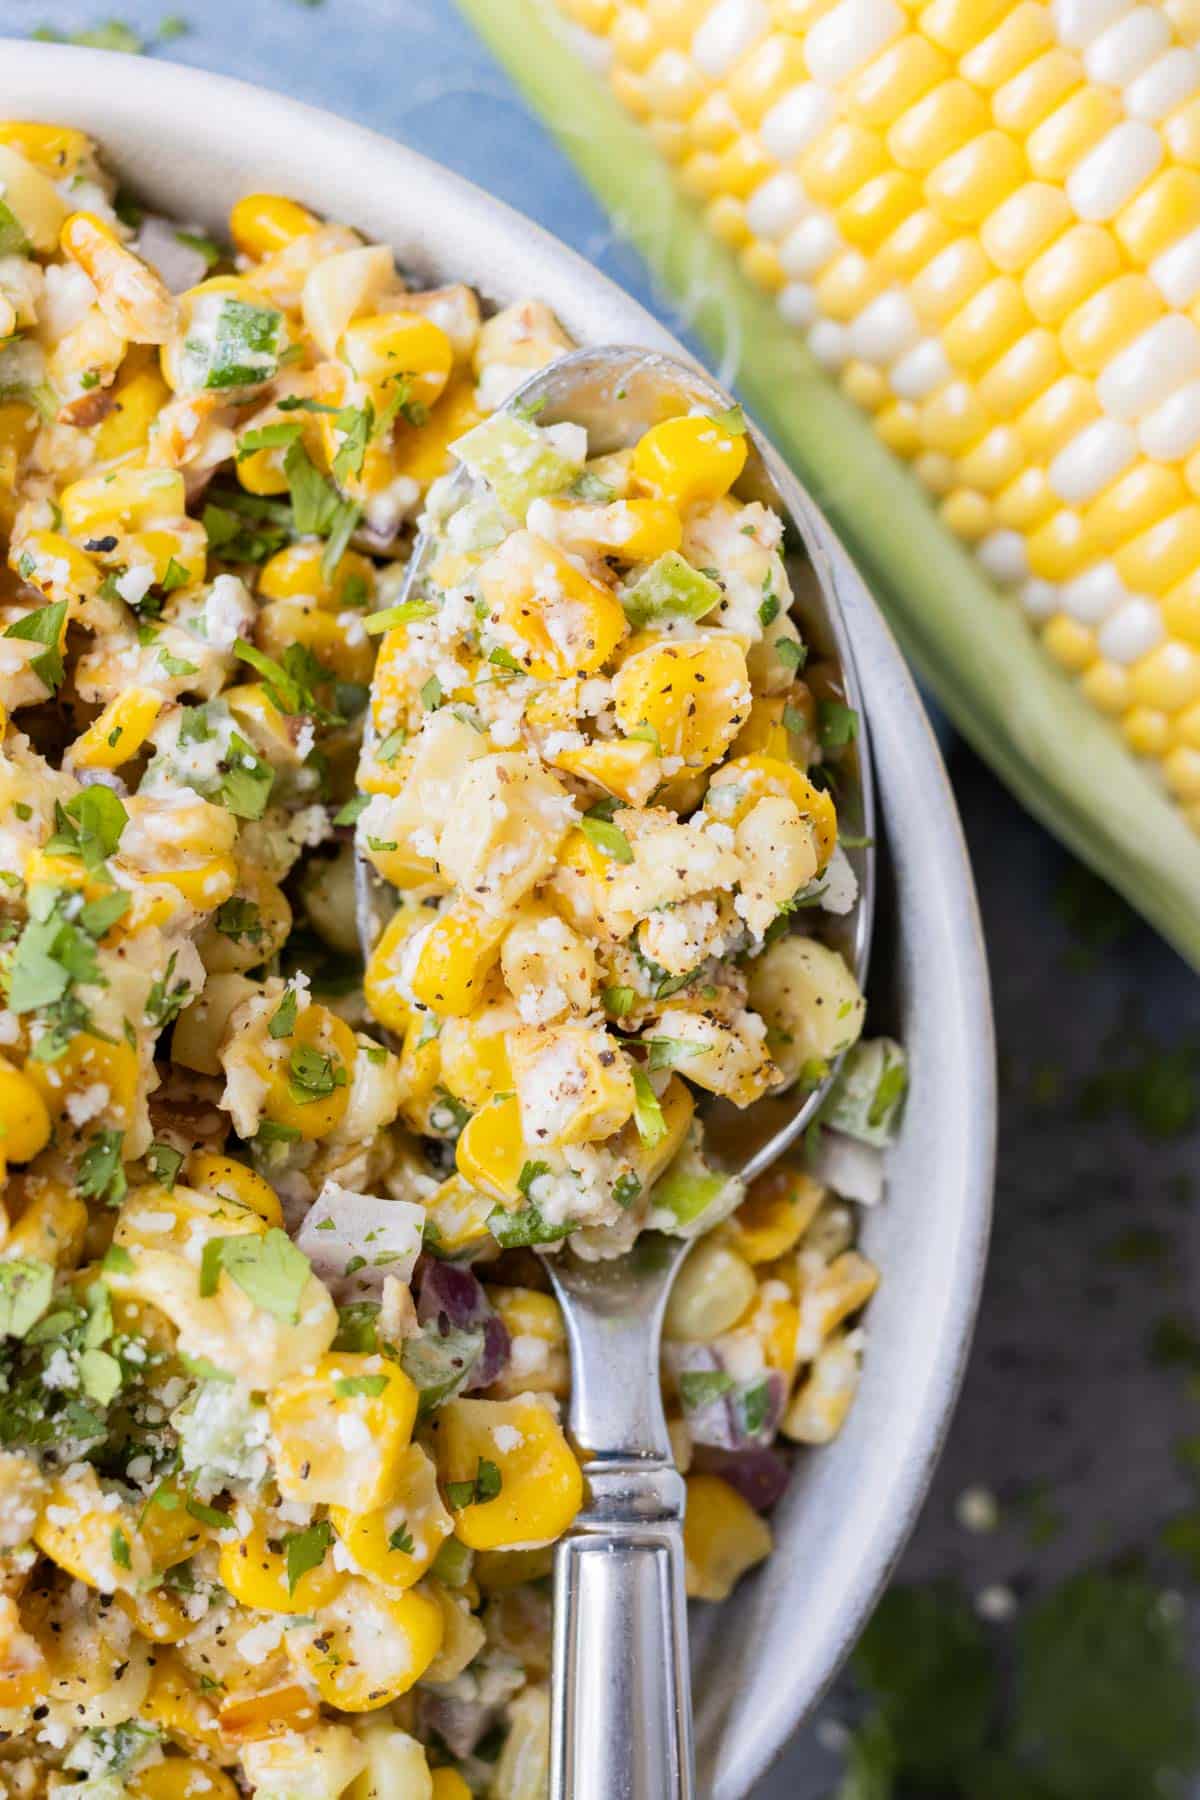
(180,265)
(450,1291)
(760,1475)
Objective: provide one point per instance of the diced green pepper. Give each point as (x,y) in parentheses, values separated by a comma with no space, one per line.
(670,589)
(231,344)
(519,463)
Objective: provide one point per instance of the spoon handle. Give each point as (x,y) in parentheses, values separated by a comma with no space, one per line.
(622,1708)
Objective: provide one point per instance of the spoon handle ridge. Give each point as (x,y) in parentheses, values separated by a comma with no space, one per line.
(621,1727)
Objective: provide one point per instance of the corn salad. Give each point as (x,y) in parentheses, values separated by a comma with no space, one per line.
(985,217)
(282,1459)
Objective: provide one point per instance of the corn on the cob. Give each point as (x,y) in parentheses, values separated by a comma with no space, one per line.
(986,217)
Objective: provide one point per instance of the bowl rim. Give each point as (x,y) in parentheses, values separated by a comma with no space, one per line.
(154,116)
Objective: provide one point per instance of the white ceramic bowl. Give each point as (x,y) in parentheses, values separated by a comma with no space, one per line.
(191,143)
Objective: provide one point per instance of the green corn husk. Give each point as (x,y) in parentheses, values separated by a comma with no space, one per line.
(1060,757)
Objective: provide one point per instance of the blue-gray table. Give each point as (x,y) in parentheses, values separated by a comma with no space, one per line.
(1061,1397)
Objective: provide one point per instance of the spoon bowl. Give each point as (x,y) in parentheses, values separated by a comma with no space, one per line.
(621,1724)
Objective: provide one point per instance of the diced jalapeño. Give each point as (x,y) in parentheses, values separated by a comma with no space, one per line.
(670,589)
(519,463)
(231,344)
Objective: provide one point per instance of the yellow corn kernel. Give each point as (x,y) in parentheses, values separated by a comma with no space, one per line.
(993,462)
(777,1211)
(124,500)
(1070,643)
(459,1215)
(1106,685)
(972,183)
(535,1321)
(869,215)
(253,1568)
(946,283)
(626,767)
(132,296)
(181,1778)
(937,125)
(120,731)
(369,1647)
(88,1062)
(913,245)
(1164,211)
(45,1219)
(884,89)
(383,346)
(723,1537)
(841,162)
(138,396)
(448,1784)
(967,515)
(1139,499)
(248,1717)
(296,573)
(1030,93)
(228,1179)
(846,285)
(1074,267)
(1168,678)
(424,453)
(490,1153)
(59,150)
(958,25)
(78,1531)
(819,1407)
(1162,556)
(1057,415)
(989,324)
(1146,731)
(380,990)
(32,200)
(602,1091)
(24,1120)
(1061,547)
(474,1054)
(899,427)
(457,954)
(541,1488)
(694,693)
(687,460)
(1097,329)
(740,784)
(764,74)
(307,1077)
(1181,609)
(1181,767)
(261,224)
(1070,131)
(1027,223)
(563,623)
(176,1705)
(341,1430)
(395,1544)
(1182,134)
(49,561)
(841,1289)
(284,623)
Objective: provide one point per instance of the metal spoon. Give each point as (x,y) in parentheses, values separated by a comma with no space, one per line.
(621,1726)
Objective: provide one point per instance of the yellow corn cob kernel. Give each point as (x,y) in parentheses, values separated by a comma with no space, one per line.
(1106,685)
(626,767)
(120,731)
(776,1212)
(1070,643)
(562,623)
(694,693)
(395,1544)
(874,211)
(1146,731)
(24,1120)
(1096,330)
(261,224)
(253,1568)
(1011,46)
(723,1538)
(490,1153)
(341,1431)
(296,572)
(369,1647)
(96,1544)
(315,1109)
(181,1778)
(175,1703)
(383,346)
(895,80)
(1153,562)
(231,1180)
(1181,132)
(601,1086)
(1181,609)
(122,501)
(458,953)
(1182,770)
(89,1062)
(458,1213)
(138,396)
(448,1784)
(541,1488)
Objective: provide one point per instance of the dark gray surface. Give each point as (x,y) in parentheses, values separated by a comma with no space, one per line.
(1060,1390)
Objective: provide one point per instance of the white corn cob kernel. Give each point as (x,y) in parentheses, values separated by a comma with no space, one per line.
(1148,370)
(1077,22)
(885,329)
(1132,631)
(730,28)
(797,304)
(794,121)
(1172,430)
(806,249)
(1039,599)
(1094,457)
(1176,273)
(1002,554)
(922,372)
(776,205)
(1126,48)
(827,341)
(1111,173)
(849,36)
(1092,596)
(1165,85)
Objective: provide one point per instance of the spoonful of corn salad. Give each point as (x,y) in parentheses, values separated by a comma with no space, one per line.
(608,747)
